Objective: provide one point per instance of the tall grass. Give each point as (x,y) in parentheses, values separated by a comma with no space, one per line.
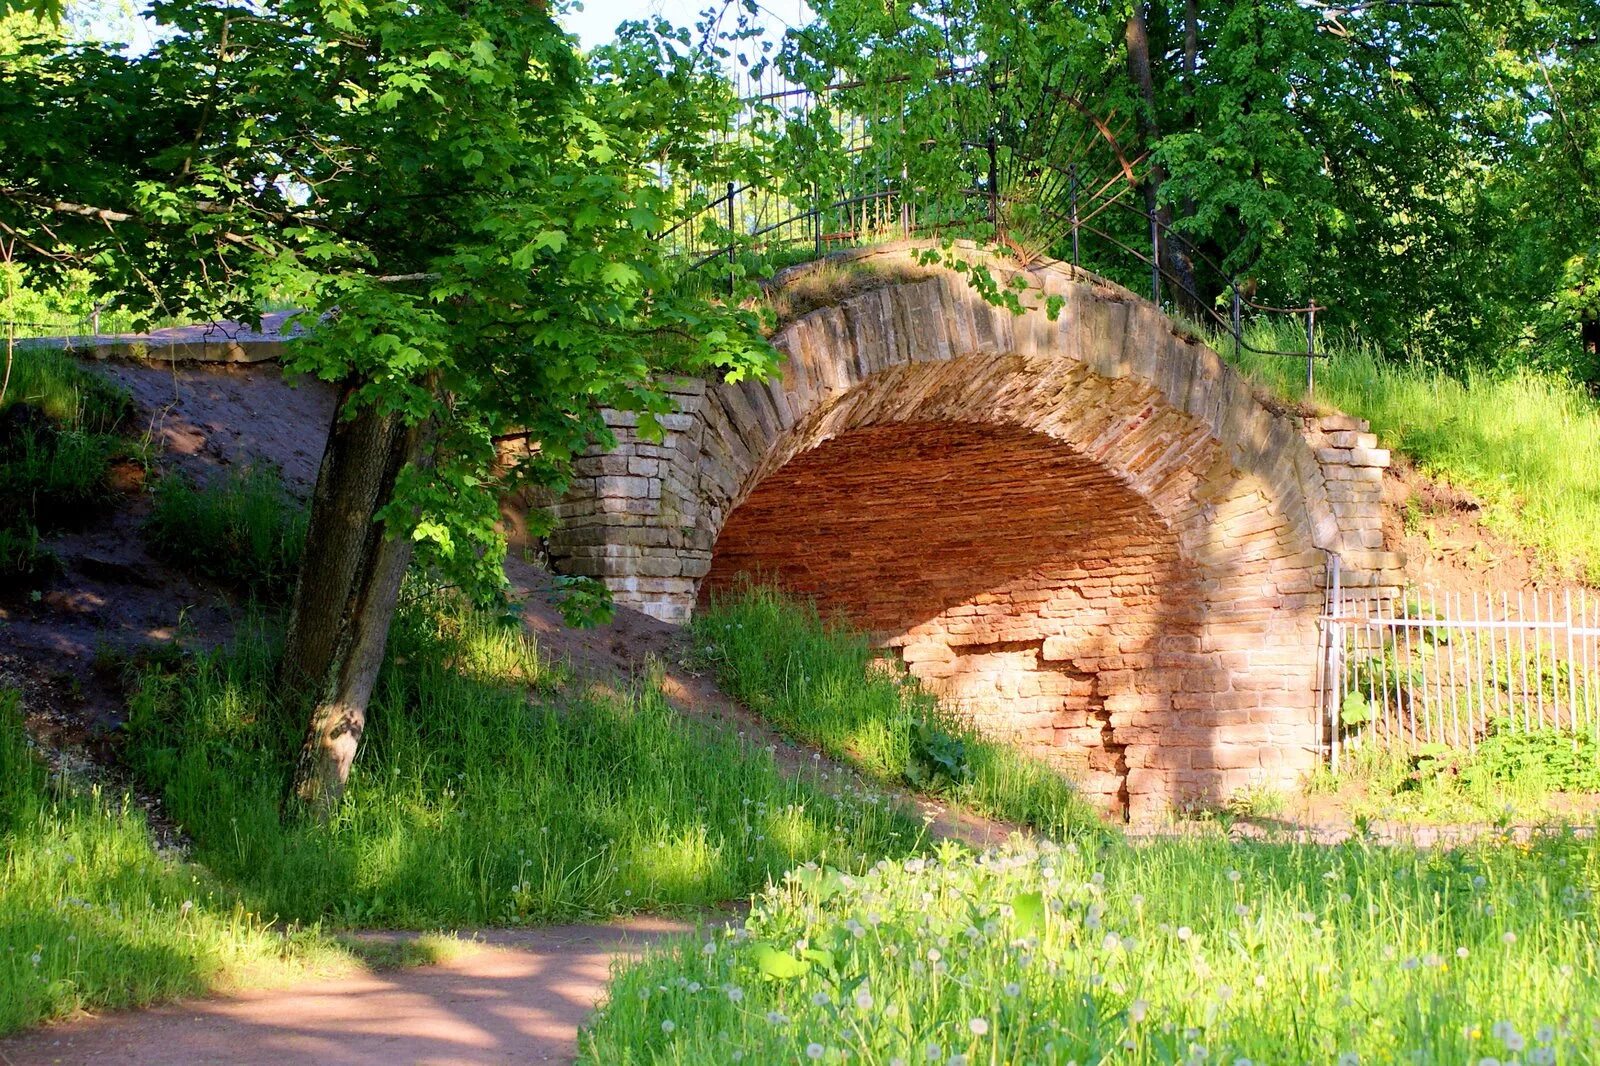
(473,803)
(824,683)
(69,395)
(58,437)
(247,530)
(1177,951)
(92,916)
(1529,446)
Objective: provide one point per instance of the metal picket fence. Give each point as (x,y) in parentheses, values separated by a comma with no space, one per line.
(1445,667)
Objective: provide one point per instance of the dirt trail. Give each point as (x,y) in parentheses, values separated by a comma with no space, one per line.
(520,999)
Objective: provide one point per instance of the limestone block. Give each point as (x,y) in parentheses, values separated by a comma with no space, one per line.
(1369,457)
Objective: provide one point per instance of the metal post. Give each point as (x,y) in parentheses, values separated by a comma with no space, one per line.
(1572,677)
(994,186)
(1155,260)
(1311,348)
(905,204)
(1238,320)
(1073,170)
(732,250)
(816,218)
(1333,694)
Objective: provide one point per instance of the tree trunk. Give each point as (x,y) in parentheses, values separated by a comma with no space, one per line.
(1175,258)
(344,598)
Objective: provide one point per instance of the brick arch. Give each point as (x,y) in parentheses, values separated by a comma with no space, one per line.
(1150,620)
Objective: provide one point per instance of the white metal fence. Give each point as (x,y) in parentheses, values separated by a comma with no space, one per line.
(1437,666)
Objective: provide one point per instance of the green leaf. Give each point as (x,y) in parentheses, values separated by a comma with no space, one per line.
(1028,907)
(553,239)
(775,965)
(819,956)
(1355,710)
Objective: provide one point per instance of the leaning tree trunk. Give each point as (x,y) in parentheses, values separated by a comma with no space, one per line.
(1174,255)
(344,598)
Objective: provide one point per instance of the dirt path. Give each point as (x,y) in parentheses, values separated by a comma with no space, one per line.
(520,999)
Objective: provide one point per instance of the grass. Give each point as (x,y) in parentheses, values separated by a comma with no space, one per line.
(823,683)
(1177,951)
(1526,445)
(69,395)
(473,803)
(829,282)
(91,916)
(58,438)
(246,531)
(1512,777)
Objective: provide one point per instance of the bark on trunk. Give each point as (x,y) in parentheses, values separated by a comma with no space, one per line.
(345,597)
(1175,259)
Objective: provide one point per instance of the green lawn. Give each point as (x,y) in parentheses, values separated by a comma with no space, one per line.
(91,916)
(1177,951)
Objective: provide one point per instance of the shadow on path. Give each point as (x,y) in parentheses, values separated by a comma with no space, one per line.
(519,998)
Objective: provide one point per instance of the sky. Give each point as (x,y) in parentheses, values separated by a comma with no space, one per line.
(595,23)
(118,20)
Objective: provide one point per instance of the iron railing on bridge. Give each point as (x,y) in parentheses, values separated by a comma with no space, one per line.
(1064,187)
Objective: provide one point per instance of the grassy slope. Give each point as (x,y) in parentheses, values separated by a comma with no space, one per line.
(53,461)
(1199,951)
(91,916)
(819,682)
(245,531)
(1528,446)
(472,803)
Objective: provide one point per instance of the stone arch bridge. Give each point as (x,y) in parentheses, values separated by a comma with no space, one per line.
(1086,530)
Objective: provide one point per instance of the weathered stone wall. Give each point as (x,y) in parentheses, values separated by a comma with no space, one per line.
(1086,532)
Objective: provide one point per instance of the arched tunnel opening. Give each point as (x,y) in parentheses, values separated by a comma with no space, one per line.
(1019,580)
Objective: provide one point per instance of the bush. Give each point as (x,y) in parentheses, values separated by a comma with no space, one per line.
(471,803)
(246,530)
(825,684)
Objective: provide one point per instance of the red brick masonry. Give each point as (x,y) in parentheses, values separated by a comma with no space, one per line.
(1086,532)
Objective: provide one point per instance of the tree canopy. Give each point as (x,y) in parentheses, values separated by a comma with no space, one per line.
(1425,171)
(464,206)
